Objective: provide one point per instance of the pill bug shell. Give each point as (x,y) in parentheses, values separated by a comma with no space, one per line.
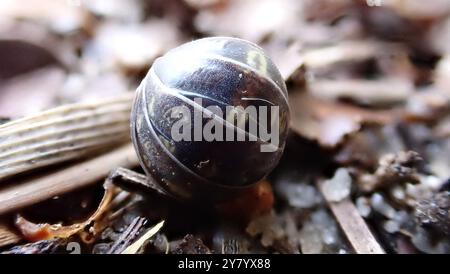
(221,71)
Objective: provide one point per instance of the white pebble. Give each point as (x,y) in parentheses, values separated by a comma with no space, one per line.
(338,188)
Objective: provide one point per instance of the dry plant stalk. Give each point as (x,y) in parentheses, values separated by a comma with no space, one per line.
(63,133)
(66,180)
(7,236)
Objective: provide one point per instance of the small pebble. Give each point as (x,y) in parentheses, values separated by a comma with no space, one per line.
(298,194)
(338,188)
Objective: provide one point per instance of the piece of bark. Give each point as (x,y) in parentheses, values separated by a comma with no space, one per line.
(82,174)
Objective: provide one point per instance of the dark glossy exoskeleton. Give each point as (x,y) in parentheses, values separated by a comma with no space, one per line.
(221,71)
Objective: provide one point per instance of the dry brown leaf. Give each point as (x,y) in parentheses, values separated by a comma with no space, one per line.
(418,9)
(61,16)
(289,61)
(439,37)
(26,46)
(131,46)
(443,128)
(344,51)
(201,4)
(329,122)
(234,18)
(428,104)
(442,74)
(80,88)
(371,92)
(124,10)
(30,93)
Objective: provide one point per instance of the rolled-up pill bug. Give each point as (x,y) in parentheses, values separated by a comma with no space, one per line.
(210,118)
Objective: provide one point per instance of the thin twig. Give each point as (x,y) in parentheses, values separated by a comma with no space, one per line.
(69,179)
(354,226)
(135,182)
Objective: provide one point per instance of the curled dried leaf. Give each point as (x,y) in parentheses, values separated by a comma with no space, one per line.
(44,231)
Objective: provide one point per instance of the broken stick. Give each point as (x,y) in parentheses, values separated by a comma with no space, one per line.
(353,225)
